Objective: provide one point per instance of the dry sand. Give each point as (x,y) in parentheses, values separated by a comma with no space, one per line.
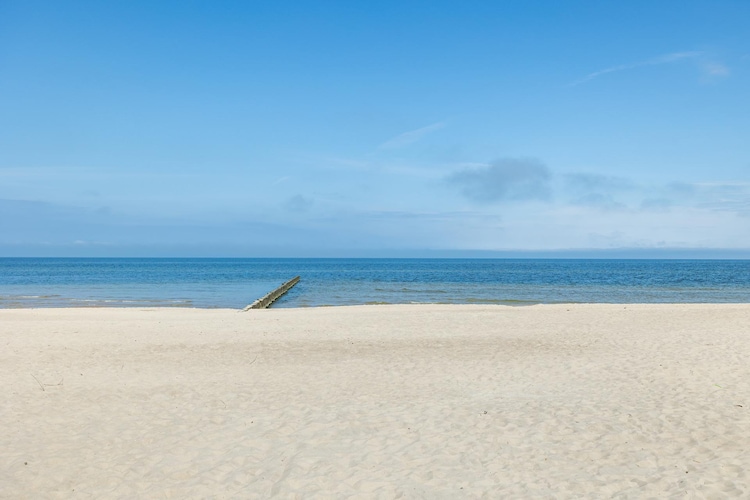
(433,401)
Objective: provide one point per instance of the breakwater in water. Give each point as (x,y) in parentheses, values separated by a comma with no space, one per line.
(232,283)
(272,296)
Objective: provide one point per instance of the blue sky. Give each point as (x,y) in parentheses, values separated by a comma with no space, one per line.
(373,128)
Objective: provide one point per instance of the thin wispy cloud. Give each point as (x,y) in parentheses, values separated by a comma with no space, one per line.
(596,190)
(280,180)
(348,163)
(657,61)
(713,71)
(723,185)
(589,182)
(656,204)
(411,136)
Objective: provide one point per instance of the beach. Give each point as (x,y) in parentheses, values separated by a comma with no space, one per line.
(387,401)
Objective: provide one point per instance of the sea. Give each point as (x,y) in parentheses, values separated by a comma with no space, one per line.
(234,283)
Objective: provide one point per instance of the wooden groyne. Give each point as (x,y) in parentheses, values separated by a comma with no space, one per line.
(271,297)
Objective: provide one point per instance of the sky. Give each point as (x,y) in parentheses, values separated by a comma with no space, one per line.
(338,128)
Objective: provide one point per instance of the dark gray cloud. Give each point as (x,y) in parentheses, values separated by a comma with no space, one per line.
(504,179)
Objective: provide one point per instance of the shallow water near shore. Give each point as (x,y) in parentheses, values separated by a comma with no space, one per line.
(234,283)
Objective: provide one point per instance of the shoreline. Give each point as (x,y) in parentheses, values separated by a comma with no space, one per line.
(509,303)
(427,401)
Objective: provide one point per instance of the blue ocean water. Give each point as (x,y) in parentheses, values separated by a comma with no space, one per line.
(234,283)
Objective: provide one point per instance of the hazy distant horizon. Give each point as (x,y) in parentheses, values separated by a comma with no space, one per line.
(291,253)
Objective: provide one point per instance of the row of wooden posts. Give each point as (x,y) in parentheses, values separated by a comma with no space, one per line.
(270,298)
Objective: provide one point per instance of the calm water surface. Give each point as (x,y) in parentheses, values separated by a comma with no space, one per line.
(234,283)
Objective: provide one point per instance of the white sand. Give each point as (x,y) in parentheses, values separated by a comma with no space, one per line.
(436,401)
